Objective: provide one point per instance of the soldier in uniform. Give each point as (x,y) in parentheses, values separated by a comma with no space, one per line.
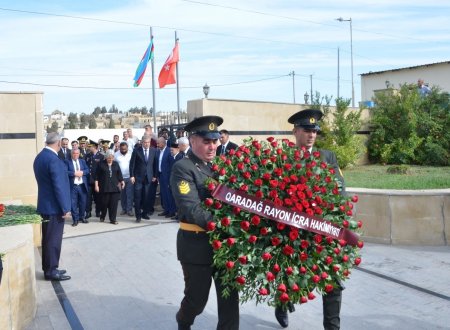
(104,147)
(305,131)
(194,251)
(93,158)
(83,140)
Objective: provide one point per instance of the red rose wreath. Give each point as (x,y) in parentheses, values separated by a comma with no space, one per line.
(281,228)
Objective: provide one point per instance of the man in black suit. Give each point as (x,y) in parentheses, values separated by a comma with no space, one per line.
(142,174)
(78,172)
(92,160)
(305,131)
(194,251)
(225,144)
(64,153)
(53,205)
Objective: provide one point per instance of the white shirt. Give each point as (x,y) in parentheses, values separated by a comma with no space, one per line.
(160,158)
(124,163)
(130,143)
(77,179)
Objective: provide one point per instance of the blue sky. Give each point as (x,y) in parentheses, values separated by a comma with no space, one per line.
(243,49)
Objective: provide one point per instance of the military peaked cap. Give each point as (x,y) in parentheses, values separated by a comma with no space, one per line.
(308,119)
(206,126)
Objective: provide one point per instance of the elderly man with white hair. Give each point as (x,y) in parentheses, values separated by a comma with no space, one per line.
(183,145)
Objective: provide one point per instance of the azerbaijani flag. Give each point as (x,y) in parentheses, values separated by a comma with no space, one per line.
(140,71)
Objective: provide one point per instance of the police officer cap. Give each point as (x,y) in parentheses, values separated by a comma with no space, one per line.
(308,119)
(83,139)
(205,126)
(174,145)
(92,143)
(106,143)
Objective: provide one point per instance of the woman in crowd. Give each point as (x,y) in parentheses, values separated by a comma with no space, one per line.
(108,183)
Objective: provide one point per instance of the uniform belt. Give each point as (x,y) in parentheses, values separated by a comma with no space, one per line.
(190,227)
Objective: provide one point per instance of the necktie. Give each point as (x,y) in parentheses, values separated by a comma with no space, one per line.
(64,152)
(76,165)
(223,150)
(146,155)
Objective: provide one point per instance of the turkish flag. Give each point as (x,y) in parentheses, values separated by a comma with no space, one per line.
(168,71)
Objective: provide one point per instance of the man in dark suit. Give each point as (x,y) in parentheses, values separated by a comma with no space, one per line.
(53,204)
(225,144)
(64,152)
(183,146)
(194,251)
(164,160)
(142,174)
(305,131)
(92,160)
(78,172)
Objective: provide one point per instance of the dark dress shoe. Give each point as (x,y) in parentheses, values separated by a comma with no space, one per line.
(123,213)
(84,221)
(162,214)
(282,316)
(170,215)
(61,271)
(175,217)
(88,215)
(114,222)
(145,216)
(57,277)
(102,219)
(74,224)
(138,220)
(130,214)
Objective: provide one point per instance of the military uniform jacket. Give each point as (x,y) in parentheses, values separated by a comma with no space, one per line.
(330,158)
(187,182)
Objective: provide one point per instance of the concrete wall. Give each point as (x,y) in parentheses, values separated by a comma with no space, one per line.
(409,217)
(18,287)
(21,138)
(434,74)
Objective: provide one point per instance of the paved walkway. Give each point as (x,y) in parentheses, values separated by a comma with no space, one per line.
(127,276)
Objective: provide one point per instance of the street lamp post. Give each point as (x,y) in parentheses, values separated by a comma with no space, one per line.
(340,19)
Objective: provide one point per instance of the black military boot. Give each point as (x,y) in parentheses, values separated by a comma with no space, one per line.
(282,316)
(331,309)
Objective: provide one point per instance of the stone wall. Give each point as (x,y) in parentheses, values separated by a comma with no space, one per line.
(404,217)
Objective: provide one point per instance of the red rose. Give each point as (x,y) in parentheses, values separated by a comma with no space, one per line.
(264,162)
(228,162)
(257,153)
(247,175)
(276,268)
(273,194)
(311,296)
(314,268)
(263,292)
(328,288)
(252,239)
(231,152)
(217,205)
(319,248)
(240,280)
(295,287)
(245,225)
(243,260)
(238,154)
(236,210)
(288,250)
(246,159)
(209,202)
(345,223)
(281,287)
(269,276)
(210,226)
(273,183)
(264,231)
(284,298)
(293,234)
(289,271)
(346,272)
(275,241)
(342,242)
(214,167)
(287,167)
(225,221)
(255,220)
(216,244)
(318,238)
(231,241)
(316,278)
(359,224)
(240,166)
(278,171)
(303,256)
(349,213)
(324,275)
(243,187)
(360,244)
(280,226)
(304,244)
(303,300)
(273,144)
(355,199)
(270,138)
(222,171)
(266,176)
(302,270)
(266,256)
(229,264)
(337,250)
(328,260)
(259,194)
(316,154)
(336,268)
(258,182)
(211,186)
(232,178)
(345,258)
(357,261)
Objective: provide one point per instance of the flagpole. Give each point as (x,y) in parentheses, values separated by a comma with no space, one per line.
(153,84)
(178,85)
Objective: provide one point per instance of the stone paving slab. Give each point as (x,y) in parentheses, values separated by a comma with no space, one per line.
(131,279)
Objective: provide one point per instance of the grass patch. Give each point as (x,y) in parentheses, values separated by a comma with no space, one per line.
(417,177)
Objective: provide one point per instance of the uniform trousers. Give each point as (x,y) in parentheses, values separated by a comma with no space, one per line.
(197,283)
(52,233)
(331,309)
(109,203)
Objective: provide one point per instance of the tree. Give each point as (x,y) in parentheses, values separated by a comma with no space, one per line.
(73,120)
(104,110)
(113,109)
(92,122)
(111,123)
(97,111)
(53,128)
(409,128)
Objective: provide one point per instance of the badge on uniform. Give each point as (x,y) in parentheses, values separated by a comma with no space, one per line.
(183,187)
